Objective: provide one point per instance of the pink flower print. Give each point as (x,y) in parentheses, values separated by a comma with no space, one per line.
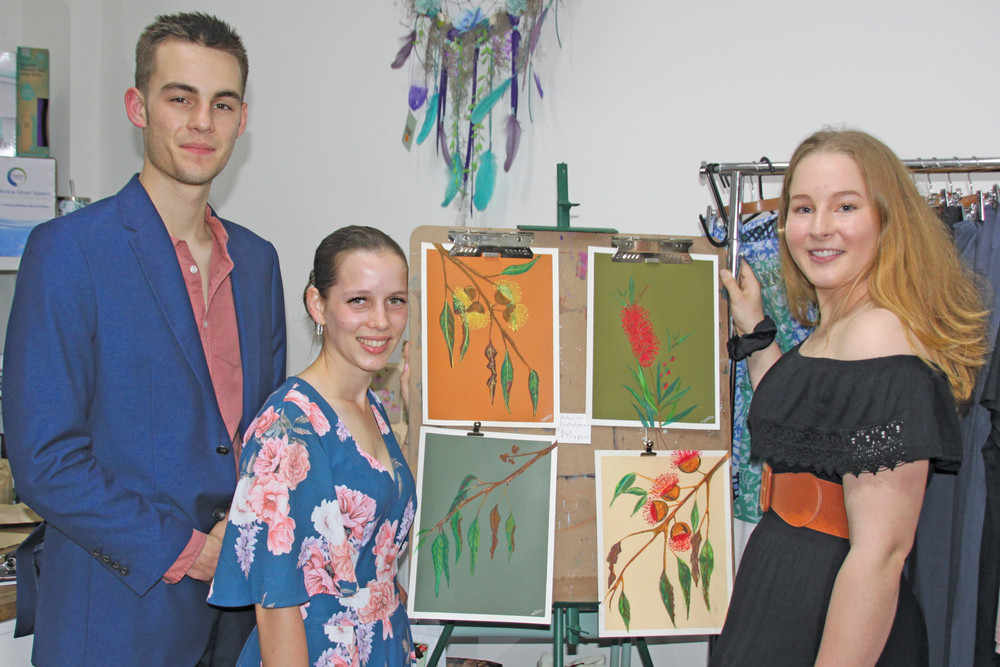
(342,561)
(281,536)
(339,629)
(382,601)
(304,610)
(342,433)
(356,510)
(316,576)
(319,422)
(294,465)
(382,426)
(240,514)
(269,457)
(258,427)
(385,551)
(329,522)
(331,658)
(268,499)
(372,461)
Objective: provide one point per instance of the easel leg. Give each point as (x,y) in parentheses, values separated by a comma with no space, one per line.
(640,645)
(557,635)
(441,643)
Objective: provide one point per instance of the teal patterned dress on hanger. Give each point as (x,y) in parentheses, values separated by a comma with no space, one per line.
(759,247)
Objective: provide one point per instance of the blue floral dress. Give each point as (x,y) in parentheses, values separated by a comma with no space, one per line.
(318,523)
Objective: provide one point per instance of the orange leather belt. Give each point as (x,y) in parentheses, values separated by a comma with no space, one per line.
(805,501)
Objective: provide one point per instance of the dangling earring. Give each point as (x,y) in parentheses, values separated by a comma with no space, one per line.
(320,327)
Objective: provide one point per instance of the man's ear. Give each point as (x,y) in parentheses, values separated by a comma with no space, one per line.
(135,107)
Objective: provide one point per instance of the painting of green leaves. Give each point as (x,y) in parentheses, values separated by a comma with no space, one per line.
(653,342)
(483,535)
(664,545)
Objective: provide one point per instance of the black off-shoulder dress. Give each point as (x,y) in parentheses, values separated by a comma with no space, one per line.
(830,418)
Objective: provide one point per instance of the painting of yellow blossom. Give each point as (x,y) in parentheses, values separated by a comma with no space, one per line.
(490,339)
(653,341)
(663,541)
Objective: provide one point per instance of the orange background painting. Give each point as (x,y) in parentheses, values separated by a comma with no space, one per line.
(457,390)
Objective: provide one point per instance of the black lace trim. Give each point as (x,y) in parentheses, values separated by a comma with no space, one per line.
(832,452)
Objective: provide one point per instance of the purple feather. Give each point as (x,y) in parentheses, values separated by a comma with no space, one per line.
(513,140)
(536,30)
(515,40)
(404,51)
(538,85)
(444,148)
(418,95)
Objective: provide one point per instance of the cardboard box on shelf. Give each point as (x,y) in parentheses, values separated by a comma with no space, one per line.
(32,102)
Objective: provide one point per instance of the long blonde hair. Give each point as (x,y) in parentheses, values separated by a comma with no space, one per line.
(916,272)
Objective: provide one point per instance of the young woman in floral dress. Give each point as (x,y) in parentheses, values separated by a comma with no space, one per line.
(325,499)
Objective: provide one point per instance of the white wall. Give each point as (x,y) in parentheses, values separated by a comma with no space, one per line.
(641,92)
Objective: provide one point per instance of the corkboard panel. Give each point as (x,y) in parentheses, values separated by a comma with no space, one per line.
(576,567)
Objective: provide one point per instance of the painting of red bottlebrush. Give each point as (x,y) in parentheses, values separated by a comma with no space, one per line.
(653,343)
(664,544)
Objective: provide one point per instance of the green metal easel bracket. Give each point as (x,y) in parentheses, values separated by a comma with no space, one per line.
(563,205)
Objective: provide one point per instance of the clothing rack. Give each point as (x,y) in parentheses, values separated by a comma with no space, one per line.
(731,174)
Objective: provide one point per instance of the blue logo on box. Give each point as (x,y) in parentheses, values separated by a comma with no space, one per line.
(16,176)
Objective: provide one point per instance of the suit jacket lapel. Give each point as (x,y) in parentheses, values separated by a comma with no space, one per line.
(248,320)
(156,256)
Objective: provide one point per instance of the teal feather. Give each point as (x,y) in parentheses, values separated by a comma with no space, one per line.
(486,178)
(429,117)
(454,180)
(485,105)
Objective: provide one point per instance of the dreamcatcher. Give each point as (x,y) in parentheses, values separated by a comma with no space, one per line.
(467,62)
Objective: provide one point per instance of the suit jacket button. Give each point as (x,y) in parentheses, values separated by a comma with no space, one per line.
(222,450)
(96,554)
(218,514)
(123,571)
(115,566)
(106,559)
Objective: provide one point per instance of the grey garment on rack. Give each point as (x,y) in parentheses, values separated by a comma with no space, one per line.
(945,561)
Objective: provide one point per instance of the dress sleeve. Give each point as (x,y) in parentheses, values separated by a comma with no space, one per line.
(863,418)
(271,531)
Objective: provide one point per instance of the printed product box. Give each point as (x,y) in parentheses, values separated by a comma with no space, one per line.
(27,197)
(32,102)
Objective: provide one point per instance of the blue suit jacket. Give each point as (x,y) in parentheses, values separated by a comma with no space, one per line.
(113,427)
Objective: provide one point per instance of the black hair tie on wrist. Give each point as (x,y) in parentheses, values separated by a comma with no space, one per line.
(741,347)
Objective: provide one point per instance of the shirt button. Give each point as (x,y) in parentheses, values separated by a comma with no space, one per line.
(193,269)
(218,514)
(222,450)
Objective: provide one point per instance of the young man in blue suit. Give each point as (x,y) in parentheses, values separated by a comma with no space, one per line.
(144,334)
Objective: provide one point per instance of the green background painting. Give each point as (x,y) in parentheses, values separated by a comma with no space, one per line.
(501,586)
(678,297)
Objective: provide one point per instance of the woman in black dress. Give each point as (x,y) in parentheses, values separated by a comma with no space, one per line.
(853,420)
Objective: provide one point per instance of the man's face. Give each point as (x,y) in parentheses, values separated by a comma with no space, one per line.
(191,114)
